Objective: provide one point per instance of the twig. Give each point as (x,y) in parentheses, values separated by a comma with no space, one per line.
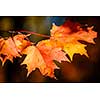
(30,32)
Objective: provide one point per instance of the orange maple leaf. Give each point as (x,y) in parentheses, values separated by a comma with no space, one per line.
(50,51)
(68,35)
(42,57)
(12,46)
(21,41)
(33,60)
(8,49)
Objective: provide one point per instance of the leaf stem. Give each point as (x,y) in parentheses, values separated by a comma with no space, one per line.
(30,32)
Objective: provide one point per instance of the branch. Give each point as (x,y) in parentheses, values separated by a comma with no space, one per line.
(30,32)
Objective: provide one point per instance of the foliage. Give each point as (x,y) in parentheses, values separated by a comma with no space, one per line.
(64,39)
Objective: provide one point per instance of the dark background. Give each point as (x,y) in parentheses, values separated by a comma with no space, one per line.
(81,69)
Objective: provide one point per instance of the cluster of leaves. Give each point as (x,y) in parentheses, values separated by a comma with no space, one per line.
(63,40)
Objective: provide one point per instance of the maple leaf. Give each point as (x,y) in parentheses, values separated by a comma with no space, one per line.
(51,51)
(33,60)
(8,49)
(42,57)
(68,36)
(21,41)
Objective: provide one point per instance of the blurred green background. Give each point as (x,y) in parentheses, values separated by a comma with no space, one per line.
(39,24)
